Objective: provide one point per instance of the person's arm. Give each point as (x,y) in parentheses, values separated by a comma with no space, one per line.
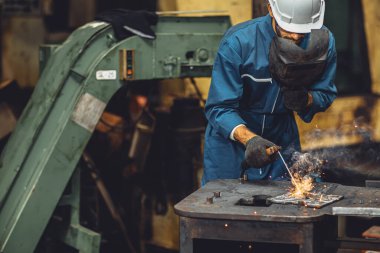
(242,134)
(226,90)
(324,91)
(222,107)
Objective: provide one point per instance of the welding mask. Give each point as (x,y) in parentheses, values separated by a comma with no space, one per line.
(293,66)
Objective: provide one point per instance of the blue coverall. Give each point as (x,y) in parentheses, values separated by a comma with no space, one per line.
(243,92)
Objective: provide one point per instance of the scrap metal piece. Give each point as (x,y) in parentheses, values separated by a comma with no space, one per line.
(315,202)
(256,200)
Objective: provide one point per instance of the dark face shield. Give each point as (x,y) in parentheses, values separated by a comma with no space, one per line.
(293,66)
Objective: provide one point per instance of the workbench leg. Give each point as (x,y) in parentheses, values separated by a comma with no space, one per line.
(186,239)
(308,239)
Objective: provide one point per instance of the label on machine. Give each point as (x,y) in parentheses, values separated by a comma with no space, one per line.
(106,75)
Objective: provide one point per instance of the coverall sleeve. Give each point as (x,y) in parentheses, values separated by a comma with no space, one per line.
(324,91)
(225,91)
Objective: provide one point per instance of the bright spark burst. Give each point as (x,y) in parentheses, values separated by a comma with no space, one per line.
(302,171)
(301,186)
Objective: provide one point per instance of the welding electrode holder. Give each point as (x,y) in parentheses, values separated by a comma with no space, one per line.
(244,165)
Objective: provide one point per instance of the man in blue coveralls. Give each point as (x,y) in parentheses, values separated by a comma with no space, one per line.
(265,70)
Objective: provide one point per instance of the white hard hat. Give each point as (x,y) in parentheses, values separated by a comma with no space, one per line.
(298,16)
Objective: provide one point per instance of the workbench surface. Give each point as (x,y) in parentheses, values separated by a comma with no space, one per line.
(197,206)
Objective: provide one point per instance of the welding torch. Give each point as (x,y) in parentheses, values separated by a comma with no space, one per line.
(269,151)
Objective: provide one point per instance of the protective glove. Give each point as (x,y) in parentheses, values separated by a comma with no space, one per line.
(295,99)
(256,152)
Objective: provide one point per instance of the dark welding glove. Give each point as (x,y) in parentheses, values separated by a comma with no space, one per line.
(296,99)
(256,154)
(127,23)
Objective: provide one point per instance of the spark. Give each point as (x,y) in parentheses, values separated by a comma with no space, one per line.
(302,186)
(301,173)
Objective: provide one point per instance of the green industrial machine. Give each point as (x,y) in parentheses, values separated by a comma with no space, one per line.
(78,80)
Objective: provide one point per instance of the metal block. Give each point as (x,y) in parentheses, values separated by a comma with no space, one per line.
(372,183)
(356,211)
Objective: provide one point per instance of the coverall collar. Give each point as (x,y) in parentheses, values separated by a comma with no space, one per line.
(268,26)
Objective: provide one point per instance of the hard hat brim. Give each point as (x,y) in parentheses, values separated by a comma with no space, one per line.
(299,28)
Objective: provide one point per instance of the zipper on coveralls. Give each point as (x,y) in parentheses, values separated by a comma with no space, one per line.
(262,132)
(264,118)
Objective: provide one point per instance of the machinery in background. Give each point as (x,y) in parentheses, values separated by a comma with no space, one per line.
(78,80)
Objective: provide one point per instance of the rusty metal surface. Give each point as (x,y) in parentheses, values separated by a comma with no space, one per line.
(231,191)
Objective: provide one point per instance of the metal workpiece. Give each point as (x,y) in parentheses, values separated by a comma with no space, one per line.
(78,79)
(318,202)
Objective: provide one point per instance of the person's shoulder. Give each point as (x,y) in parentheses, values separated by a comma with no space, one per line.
(242,28)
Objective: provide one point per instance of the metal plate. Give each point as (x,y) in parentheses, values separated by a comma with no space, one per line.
(317,202)
(317,198)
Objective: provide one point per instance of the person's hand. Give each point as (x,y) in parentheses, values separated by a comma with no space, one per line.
(260,152)
(296,99)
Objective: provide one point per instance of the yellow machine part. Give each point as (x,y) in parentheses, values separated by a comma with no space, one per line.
(372,24)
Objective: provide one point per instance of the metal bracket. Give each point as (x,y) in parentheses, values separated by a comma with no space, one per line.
(172,66)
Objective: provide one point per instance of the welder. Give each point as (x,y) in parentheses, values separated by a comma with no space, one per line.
(267,70)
